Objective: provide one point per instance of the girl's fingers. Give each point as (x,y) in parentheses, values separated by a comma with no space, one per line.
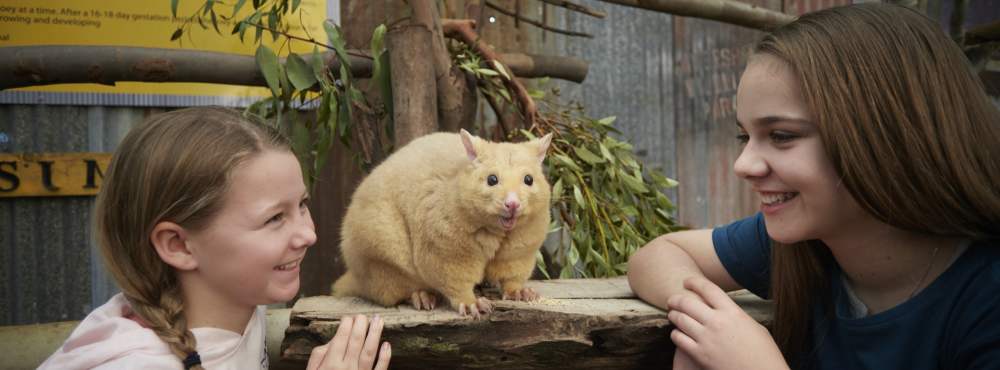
(316,357)
(370,348)
(357,339)
(383,357)
(686,324)
(683,342)
(339,342)
(707,290)
(692,305)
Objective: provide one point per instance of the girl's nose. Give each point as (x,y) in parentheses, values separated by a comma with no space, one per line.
(750,164)
(305,234)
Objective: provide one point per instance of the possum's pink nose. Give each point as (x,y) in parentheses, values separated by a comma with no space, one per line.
(512,205)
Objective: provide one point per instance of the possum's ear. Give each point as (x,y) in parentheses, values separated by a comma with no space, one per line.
(543,146)
(470,150)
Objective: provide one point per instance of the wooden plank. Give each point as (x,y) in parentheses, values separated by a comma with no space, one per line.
(51,174)
(578,324)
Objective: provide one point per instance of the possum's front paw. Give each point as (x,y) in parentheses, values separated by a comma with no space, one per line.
(521,294)
(482,305)
(423,300)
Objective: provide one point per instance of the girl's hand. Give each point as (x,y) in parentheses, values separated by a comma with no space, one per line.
(683,361)
(353,347)
(716,333)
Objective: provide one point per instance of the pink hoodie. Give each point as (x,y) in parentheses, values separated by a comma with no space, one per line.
(108,339)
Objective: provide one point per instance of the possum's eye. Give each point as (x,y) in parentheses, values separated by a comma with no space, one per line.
(528,180)
(492,180)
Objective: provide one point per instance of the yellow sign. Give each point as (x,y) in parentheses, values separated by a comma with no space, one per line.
(52,174)
(147,23)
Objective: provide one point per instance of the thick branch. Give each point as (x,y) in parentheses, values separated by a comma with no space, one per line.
(536,23)
(728,11)
(455,98)
(22,66)
(414,92)
(464,30)
(578,324)
(576,8)
(56,64)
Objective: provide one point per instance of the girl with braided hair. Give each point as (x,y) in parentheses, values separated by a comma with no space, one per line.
(202,220)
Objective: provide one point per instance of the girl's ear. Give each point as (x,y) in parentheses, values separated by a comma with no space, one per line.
(170,241)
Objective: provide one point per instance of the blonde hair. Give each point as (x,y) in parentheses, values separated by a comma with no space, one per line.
(906,124)
(174,167)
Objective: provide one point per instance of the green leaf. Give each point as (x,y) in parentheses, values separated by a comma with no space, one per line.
(237,7)
(499,68)
(173,8)
(557,189)
(607,121)
(299,73)
(587,156)
(634,183)
(337,41)
(377,40)
(568,162)
(295,4)
(579,196)
(267,61)
(272,23)
(177,34)
(215,22)
(540,264)
(566,272)
(487,72)
(606,153)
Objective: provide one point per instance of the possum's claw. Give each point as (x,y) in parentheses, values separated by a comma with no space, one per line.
(422,300)
(523,294)
(481,306)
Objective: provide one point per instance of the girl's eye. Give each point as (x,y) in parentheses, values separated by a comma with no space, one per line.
(743,137)
(492,180)
(303,205)
(276,218)
(528,180)
(782,137)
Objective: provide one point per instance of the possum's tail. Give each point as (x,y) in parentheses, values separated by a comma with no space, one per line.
(346,285)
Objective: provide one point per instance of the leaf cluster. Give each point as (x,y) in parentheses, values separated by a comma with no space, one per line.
(304,80)
(607,203)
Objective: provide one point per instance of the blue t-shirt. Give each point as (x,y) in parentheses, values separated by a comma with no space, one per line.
(954,323)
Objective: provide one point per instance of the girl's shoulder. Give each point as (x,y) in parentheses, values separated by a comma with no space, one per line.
(108,335)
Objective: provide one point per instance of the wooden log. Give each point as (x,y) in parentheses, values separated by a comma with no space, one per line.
(578,324)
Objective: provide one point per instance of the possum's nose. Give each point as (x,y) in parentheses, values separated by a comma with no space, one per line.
(511,203)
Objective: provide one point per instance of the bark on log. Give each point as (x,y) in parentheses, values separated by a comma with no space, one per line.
(728,11)
(579,324)
(414,88)
(22,66)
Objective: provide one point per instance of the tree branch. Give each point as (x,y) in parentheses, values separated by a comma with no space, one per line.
(728,11)
(576,8)
(464,30)
(23,66)
(536,23)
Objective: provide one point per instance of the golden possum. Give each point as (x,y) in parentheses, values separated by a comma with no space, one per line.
(442,214)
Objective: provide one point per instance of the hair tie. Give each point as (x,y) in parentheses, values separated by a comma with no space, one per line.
(192,360)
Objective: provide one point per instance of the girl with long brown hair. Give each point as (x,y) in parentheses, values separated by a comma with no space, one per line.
(876,155)
(202,220)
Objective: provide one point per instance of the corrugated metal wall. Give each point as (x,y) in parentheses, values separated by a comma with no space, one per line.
(47,255)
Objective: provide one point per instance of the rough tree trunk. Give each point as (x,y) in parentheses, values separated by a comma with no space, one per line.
(579,324)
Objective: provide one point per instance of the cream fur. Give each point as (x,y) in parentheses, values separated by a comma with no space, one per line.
(425,219)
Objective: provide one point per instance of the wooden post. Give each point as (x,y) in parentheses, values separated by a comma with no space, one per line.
(579,324)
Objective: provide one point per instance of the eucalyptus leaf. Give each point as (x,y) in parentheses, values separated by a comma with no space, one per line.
(267,61)
(300,73)
(586,155)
